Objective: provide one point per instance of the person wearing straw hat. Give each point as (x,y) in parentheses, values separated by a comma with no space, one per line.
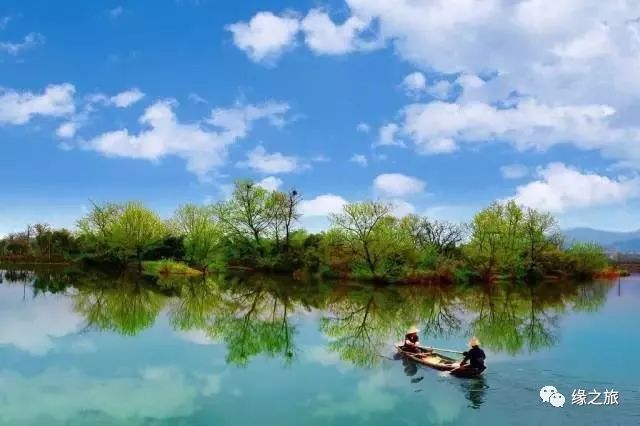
(474,356)
(412,341)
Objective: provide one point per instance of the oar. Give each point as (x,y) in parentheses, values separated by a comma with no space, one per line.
(442,350)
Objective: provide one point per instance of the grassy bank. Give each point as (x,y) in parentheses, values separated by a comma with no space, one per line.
(158,268)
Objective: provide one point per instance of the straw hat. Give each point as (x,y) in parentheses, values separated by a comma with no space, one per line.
(474,341)
(413,330)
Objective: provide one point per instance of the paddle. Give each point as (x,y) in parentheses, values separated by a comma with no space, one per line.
(442,350)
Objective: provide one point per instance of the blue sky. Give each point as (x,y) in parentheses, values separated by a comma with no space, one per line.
(437,106)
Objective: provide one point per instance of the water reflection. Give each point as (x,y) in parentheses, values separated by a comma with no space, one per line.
(255,316)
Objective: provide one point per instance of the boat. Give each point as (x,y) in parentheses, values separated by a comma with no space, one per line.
(433,359)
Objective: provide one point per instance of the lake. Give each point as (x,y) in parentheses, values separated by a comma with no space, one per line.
(79,348)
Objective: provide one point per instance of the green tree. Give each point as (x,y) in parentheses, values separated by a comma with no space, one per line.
(136,230)
(201,233)
(587,258)
(364,229)
(247,214)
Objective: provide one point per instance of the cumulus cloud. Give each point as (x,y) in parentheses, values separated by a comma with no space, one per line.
(514,171)
(322,205)
(261,161)
(270,183)
(121,100)
(127,98)
(437,126)
(397,185)
(401,208)
(560,187)
(265,36)
(19,107)
(323,36)
(29,41)
(570,64)
(388,135)
(67,130)
(202,145)
(359,159)
(414,83)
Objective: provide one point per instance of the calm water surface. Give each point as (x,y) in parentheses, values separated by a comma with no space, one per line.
(82,349)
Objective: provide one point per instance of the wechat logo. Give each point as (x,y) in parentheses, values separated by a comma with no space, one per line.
(550,395)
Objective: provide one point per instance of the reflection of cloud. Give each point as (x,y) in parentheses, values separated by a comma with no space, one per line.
(33,324)
(82,346)
(199,337)
(369,398)
(69,396)
(321,355)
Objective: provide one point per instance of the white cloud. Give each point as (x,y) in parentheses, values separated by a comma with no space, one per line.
(561,188)
(121,100)
(265,36)
(529,124)
(514,171)
(67,130)
(322,205)
(126,98)
(19,107)
(571,63)
(323,36)
(359,159)
(401,208)
(30,41)
(414,83)
(398,185)
(387,135)
(261,161)
(270,183)
(201,146)
(363,128)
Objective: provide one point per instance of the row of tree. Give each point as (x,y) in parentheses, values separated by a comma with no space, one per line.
(257,228)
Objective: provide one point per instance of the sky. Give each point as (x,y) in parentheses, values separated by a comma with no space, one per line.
(437,106)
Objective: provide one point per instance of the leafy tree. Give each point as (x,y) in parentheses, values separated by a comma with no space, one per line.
(362,227)
(136,230)
(201,233)
(587,258)
(247,213)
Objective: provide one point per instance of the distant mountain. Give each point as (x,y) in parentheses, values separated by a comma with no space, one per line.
(620,241)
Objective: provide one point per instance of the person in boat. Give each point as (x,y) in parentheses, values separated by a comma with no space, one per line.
(475,356)
(412,341)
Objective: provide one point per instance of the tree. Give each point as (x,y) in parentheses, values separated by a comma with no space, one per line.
(587,258)
(363,227)
(442,236)
(96,229)
(284,208)
(247,213)
(539,233)
(201,233)
(136,230)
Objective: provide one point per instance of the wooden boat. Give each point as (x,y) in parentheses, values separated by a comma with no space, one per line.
(433,359)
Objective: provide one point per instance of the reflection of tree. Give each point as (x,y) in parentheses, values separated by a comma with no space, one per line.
(435,308)
(124,306)
(253,320)
(510,317)
(361,324)
(253,315)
